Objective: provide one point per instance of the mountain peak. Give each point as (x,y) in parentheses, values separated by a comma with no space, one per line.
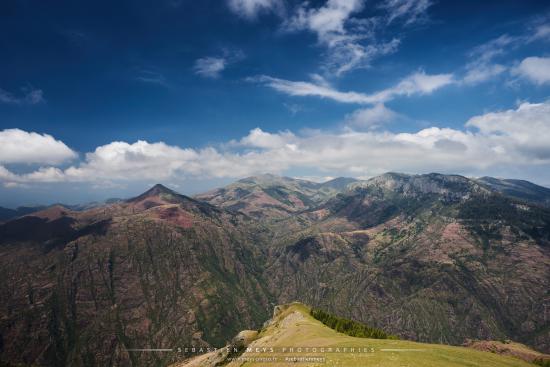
(160,188)
(156,190)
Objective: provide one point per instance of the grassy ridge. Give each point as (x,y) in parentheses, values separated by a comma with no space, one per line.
(294,326)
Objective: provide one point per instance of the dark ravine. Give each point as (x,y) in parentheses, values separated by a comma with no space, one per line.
(435,258)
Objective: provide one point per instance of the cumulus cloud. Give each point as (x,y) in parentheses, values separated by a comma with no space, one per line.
(516,136)
(416,83)
(6,176)
(18,146)
(138,161)
(30,96)
(258,138)
(522,132)
(512,138)
(250,9)
(534,69)
(371,118)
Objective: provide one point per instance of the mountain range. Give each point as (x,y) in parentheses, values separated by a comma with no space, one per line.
(431,258)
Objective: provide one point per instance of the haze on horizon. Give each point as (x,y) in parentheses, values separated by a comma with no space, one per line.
(102,100)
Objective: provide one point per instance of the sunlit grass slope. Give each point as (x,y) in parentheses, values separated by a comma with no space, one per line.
(293,326)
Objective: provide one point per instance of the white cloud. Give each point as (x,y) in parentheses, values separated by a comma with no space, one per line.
(210,67)
(30,96)
(411,11)
(303,89)
(512,138)
(483,67)
(6,176)
(541,31)
(417,83)
(327,21)
(250,9)
(498,46)
(524,131)
(535,69)
(420,83)
(45,174)
(348,56)
(353,42)
(138,161)
(18,146)
(480,72)
(350,41)
(371,118)
(261,139)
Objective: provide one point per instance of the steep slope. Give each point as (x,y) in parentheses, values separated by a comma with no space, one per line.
(431,257)
(273,197)
(159,270)
(519,189)
(315,344)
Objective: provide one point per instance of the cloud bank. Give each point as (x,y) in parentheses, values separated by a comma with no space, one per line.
(512,138)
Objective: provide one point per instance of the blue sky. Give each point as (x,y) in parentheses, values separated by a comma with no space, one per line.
(102,98)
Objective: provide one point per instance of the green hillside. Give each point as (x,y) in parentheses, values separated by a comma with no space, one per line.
(293,327)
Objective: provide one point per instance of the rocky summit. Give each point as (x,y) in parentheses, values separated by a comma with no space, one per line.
(428,258)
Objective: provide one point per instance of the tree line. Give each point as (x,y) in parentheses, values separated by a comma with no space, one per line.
(349,327)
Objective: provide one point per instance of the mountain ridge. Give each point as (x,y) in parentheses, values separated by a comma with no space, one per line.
(432,258)
(292,335)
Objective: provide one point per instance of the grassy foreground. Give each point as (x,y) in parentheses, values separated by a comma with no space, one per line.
(293,326)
